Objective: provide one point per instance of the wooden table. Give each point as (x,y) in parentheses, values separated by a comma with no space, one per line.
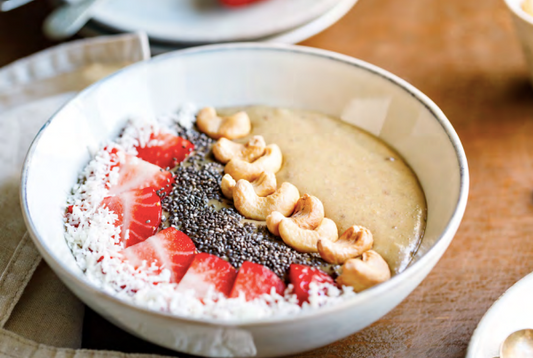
(464,55)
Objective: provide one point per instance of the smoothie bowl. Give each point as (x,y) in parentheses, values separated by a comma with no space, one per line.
(245,199)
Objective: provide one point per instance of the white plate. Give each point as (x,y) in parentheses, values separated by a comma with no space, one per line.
(289,37)
(206,21)
(315,26)
(511,312)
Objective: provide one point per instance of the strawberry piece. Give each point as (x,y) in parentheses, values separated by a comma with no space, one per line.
(208,271)
(169,248)
(135,173)
(301,276)
(165,150)
(139,214)
(254,280)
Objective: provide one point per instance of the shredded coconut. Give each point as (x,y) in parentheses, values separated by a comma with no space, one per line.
(95,243)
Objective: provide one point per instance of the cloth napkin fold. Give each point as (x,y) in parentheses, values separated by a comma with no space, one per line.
(38,313)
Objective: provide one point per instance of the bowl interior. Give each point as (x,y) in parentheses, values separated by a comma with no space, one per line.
(231,75)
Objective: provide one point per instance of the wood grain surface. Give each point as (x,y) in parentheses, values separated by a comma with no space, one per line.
(464,55)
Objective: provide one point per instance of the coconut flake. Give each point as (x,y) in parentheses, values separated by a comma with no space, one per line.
(95,244)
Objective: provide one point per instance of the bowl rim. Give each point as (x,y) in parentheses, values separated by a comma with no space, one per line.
(515,6)
(436,250)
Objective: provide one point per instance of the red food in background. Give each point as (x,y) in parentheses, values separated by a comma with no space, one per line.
(170,249)
(165,150)
(301,276)
(238,2)
(254,280)
(208,271)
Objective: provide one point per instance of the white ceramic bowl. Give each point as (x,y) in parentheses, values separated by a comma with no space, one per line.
(245,74)
(523,23)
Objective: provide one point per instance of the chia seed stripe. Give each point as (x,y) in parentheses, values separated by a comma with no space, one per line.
(221,232)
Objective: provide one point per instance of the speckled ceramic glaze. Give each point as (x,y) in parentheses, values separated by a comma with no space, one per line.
(246,74)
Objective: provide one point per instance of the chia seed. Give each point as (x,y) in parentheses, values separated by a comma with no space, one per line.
(196,206)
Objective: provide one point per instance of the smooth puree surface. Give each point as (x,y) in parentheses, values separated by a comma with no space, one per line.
(358,178)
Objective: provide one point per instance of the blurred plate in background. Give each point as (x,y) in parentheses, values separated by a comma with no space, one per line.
(295,35)
(511,312)
(207,21)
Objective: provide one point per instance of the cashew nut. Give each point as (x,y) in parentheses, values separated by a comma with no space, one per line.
(227,185)
(305,240)
(224,149)
(252,206)
(352,243)
(273,221)
(231,127)
(308,214)
(270,162)
(364,272)
(264,185)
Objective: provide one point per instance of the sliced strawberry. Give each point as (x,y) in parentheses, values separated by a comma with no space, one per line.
(165,150)
(301,276)
(169,249)
(208,271)
(135,173)
(254,280)
(139,214)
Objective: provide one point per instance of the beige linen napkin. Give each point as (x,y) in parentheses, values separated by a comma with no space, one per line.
(37,312)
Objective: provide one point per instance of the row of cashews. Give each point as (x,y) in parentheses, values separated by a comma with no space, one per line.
(300,221)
